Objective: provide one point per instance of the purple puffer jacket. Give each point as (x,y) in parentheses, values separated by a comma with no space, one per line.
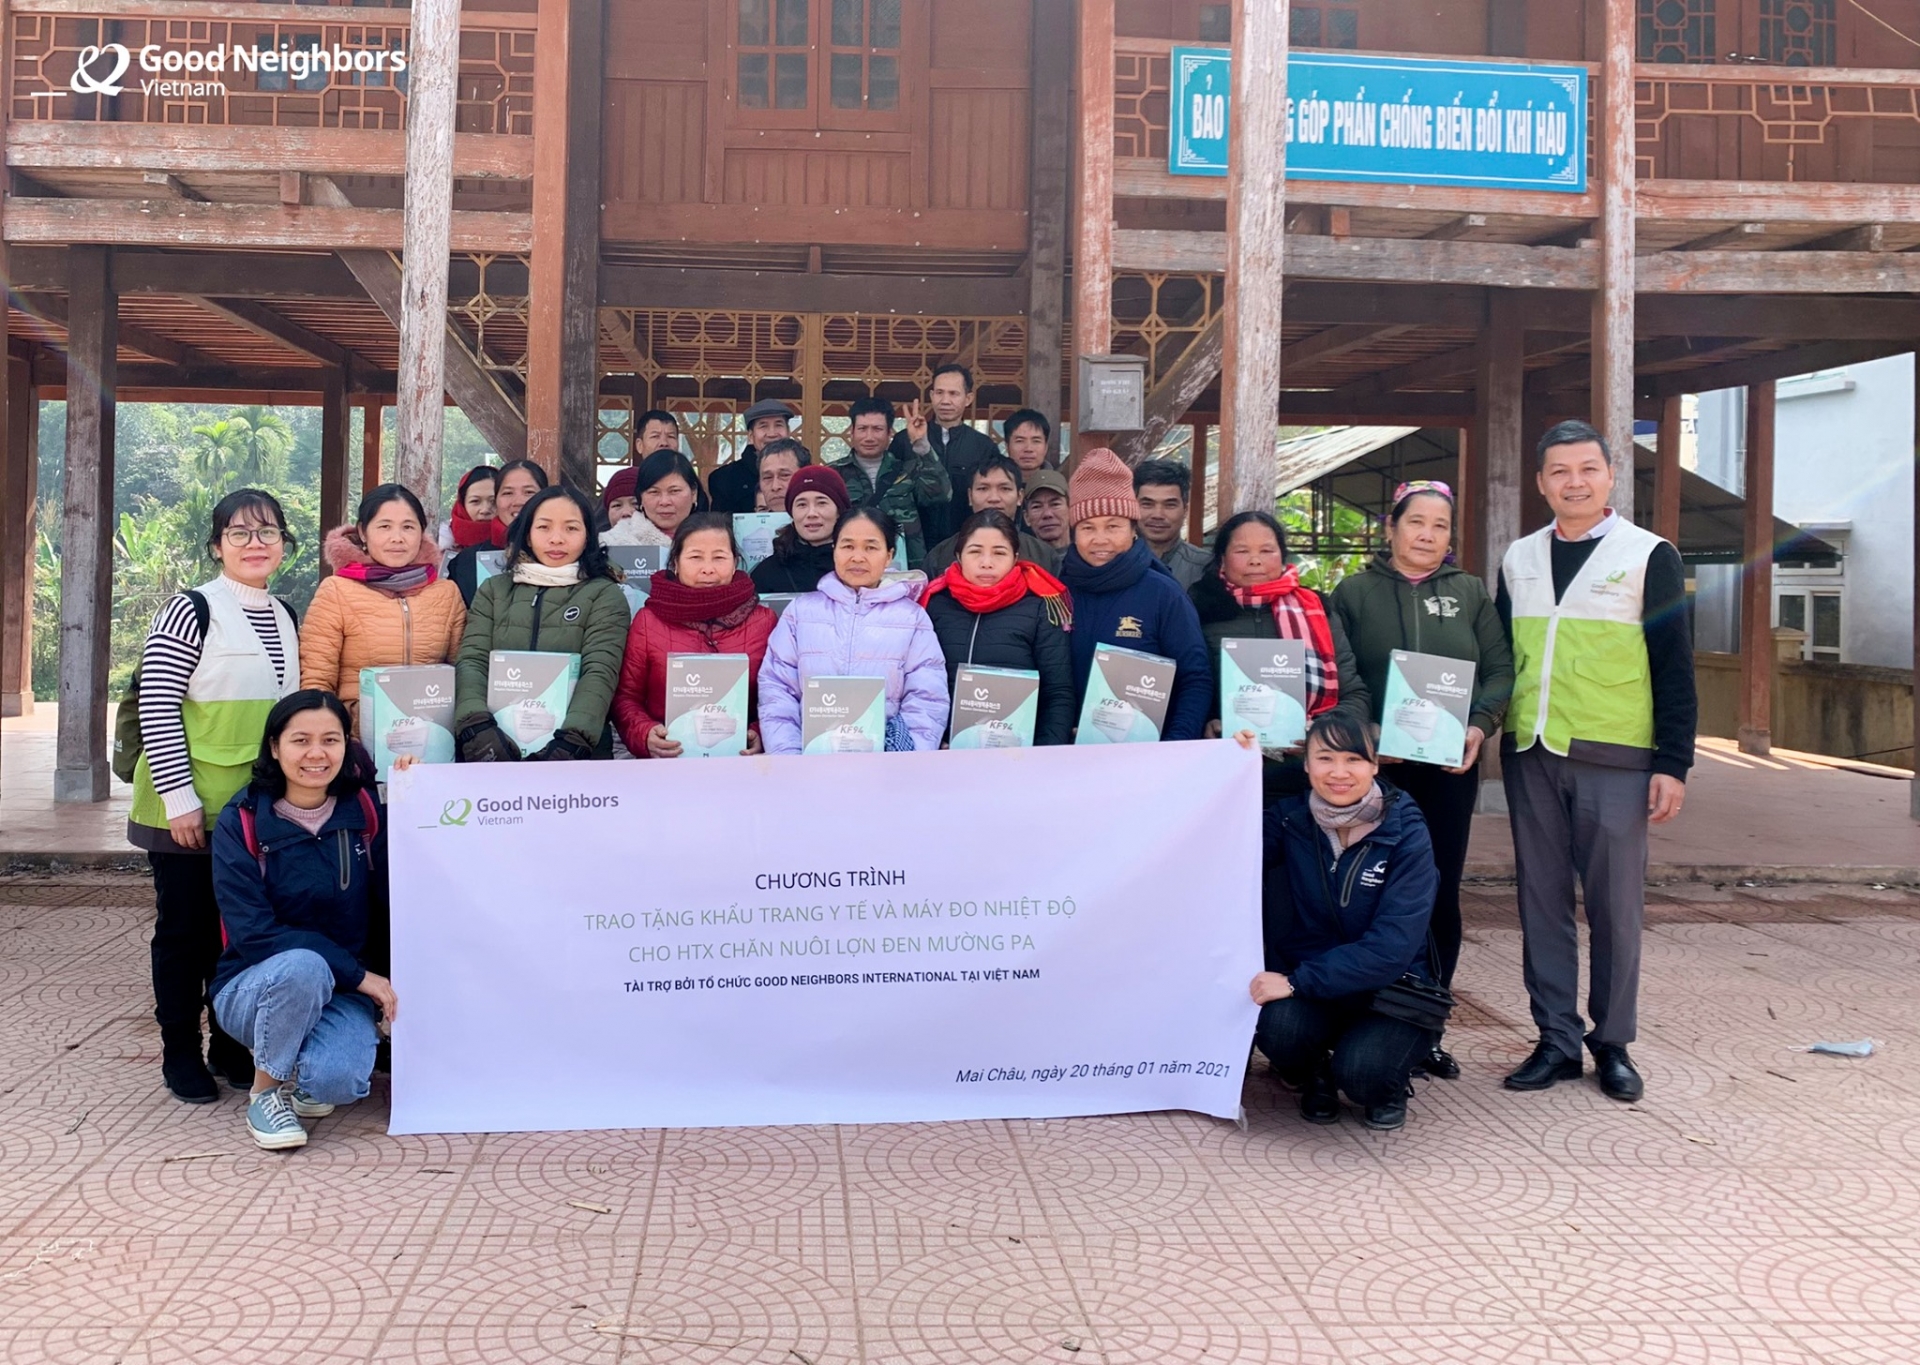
(838,632)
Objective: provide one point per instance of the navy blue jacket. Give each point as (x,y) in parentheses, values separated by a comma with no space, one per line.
(1355,924)
(1136,602)
(326,892)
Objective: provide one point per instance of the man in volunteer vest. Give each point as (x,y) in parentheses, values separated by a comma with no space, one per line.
(1599,741)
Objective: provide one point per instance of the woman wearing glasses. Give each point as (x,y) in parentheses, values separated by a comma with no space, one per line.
(216,660)
(1412,598)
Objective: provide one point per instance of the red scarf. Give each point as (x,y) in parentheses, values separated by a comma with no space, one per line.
(1299,614)
(1025,577)
(468,533)
(708,610)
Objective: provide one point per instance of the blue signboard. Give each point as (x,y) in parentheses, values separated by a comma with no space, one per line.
(1402,120)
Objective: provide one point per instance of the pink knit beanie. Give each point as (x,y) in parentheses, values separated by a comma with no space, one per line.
(1101,485)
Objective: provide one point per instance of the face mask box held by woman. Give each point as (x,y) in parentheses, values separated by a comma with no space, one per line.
(1127,694)
(637,565)
(407,711)
(1263,688)
(755,532)
(529,693)
(707,704)
(994,708)
(487,563)
(843,716)
(1424,717)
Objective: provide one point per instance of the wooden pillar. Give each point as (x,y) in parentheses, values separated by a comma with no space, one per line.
(86,532)
(1666,472)
(1613,301)
(433,62)
(1756,595)
(1093,247)
(1496,463)
(370,418)
(1197,506)
(1535,419)
(1049,159)
(1256,227)
(19,494)
(1914,797)
(334,417)
(563,273)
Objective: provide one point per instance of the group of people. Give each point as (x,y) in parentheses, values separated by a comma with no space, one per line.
(1581,657)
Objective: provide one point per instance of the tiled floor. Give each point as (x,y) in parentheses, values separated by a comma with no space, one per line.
(1761,1205)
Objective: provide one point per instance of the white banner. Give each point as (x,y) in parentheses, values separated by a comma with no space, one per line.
(848,939)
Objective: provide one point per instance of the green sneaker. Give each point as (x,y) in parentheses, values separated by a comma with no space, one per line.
(307,1107)
(271,1120)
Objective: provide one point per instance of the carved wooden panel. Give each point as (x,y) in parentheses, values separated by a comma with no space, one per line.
(322,81)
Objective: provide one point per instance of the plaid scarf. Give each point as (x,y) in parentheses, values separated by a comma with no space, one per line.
(1299,614)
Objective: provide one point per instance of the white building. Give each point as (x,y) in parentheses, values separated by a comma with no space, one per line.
(1843,470)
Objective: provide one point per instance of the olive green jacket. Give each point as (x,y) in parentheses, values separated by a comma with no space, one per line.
(1450,614)
(589,619)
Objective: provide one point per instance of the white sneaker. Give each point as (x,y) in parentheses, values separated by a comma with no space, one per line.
(271,1120)
(307,1107)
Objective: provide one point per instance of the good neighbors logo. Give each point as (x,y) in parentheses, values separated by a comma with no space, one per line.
(196,73)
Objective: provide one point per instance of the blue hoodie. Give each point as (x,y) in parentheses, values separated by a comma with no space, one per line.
(325,892)
(1356,923)
(1136,602)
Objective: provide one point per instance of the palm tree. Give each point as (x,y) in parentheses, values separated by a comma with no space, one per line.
(266,439)
(249,443)
(218,450)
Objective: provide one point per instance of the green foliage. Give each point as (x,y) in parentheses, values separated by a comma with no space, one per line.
(172,463)
(1349,526)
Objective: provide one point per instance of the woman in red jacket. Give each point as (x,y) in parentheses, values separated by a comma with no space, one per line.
(701,603)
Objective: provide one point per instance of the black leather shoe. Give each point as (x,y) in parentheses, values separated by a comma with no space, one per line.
(1614,1069)
(1319,1099)
(1543,1069)
(1439,1064)
(1386,1118)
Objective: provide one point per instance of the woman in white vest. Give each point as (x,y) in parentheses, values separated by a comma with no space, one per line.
(217,659)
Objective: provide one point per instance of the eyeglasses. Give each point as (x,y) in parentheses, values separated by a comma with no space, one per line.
(238,536)
(1407,490)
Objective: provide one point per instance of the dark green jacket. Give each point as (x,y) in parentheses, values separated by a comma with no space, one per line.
(1450,614)
(589,619)
(904,487)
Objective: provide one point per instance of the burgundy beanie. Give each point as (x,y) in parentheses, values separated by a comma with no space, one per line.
(1101,485)
(621,485)
(818,478)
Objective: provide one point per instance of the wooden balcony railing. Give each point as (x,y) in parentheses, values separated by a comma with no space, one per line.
(1748,123)
(50,38)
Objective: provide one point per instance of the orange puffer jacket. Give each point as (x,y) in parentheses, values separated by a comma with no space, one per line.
(351,626)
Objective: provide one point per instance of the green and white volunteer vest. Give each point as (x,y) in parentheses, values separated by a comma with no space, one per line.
(1580,663)
(225,712)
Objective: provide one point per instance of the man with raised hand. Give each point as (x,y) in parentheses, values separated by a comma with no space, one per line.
(949,439)
(875,471)
(1599,742)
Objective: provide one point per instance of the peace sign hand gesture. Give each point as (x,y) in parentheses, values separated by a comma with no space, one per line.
(916,422)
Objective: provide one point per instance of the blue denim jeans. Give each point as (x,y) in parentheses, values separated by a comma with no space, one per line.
(287,1010)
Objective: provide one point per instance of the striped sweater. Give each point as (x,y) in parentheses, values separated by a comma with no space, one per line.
(167,662)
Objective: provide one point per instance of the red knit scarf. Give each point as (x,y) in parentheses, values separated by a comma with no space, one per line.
(468,533)
(1299,614)
(708,610)
(1025,577)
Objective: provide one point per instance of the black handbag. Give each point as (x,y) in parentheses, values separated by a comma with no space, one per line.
(1414,1000)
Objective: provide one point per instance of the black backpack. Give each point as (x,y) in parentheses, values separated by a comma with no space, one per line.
(128,744)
